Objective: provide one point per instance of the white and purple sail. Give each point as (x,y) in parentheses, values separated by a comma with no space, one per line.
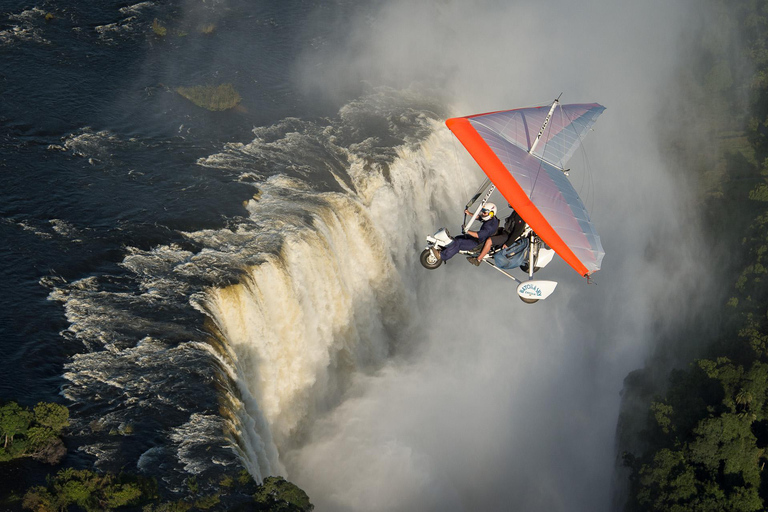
(523,152)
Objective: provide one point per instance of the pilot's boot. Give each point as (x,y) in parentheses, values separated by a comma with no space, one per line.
(473,260)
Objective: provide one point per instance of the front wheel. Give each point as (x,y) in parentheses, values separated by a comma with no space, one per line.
(529,301)
(429,260)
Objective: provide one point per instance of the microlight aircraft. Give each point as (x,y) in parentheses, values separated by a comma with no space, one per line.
(523,153)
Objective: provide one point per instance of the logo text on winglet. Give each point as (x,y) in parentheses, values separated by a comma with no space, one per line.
(530,290)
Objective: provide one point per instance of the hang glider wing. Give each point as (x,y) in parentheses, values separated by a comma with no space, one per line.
(534,182)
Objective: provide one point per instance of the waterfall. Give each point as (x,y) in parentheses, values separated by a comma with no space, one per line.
(339,294)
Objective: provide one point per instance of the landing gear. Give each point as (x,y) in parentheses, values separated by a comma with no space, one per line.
(529,301)
(533,257)
(429,259)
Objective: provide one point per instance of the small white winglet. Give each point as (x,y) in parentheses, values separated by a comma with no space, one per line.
(531,291)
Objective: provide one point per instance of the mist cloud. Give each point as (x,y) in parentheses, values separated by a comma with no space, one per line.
(508,406)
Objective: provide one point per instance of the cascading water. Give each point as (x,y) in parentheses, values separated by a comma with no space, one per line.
(316,285)
(339,295)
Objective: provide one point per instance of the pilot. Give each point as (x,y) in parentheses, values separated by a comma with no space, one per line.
(514,226)
(471,239)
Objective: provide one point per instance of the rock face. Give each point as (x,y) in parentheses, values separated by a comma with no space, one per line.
(51,453)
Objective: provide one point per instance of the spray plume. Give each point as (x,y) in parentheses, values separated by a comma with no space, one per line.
(493,404)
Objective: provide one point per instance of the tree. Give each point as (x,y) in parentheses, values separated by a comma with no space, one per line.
(89,491)
(281,495)
(727,454)
(705,457)
(119,495)
(667,483)
(38,499)
(54,416)
(13,421)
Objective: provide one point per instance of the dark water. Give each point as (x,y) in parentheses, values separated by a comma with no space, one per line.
(99,161)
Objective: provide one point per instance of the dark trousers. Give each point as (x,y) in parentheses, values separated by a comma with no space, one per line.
(460,243)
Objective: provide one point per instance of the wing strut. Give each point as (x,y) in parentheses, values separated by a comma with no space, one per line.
(544,126)
(487,195)
(478,193)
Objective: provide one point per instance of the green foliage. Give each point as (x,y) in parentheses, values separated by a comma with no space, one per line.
(759,193)
(36,434)
(75,492)
(207,502)
(244,478)
(755,337)
(668,483)
(24,433)
(281,495)
(89,491)
(662,412)
(14,421)
(158,28)
(214,98)
(192,485)
(173,506)
(40,436)
(704,446)
(85,490)
(726,445)
(54,416)
(39,499)
(716,464)
(123,494)
(227,482)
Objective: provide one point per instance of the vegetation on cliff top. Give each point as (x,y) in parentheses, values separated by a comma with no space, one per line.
(704,445)
(95,492)
(36,433)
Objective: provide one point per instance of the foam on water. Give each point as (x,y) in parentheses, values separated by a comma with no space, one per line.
(133,23)
(27,27)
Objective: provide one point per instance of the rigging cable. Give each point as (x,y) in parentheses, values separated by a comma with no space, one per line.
(588,180)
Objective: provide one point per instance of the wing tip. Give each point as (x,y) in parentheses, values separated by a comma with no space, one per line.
(453,121)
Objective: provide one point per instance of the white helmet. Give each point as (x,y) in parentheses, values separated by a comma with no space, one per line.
(488,211)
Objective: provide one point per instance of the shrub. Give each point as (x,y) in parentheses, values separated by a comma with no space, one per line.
(213,98)
(158,29)
(39,500)
(122,494)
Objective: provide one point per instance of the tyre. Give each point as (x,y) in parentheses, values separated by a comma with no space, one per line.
(524,268)
(529,301)
(429,261)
